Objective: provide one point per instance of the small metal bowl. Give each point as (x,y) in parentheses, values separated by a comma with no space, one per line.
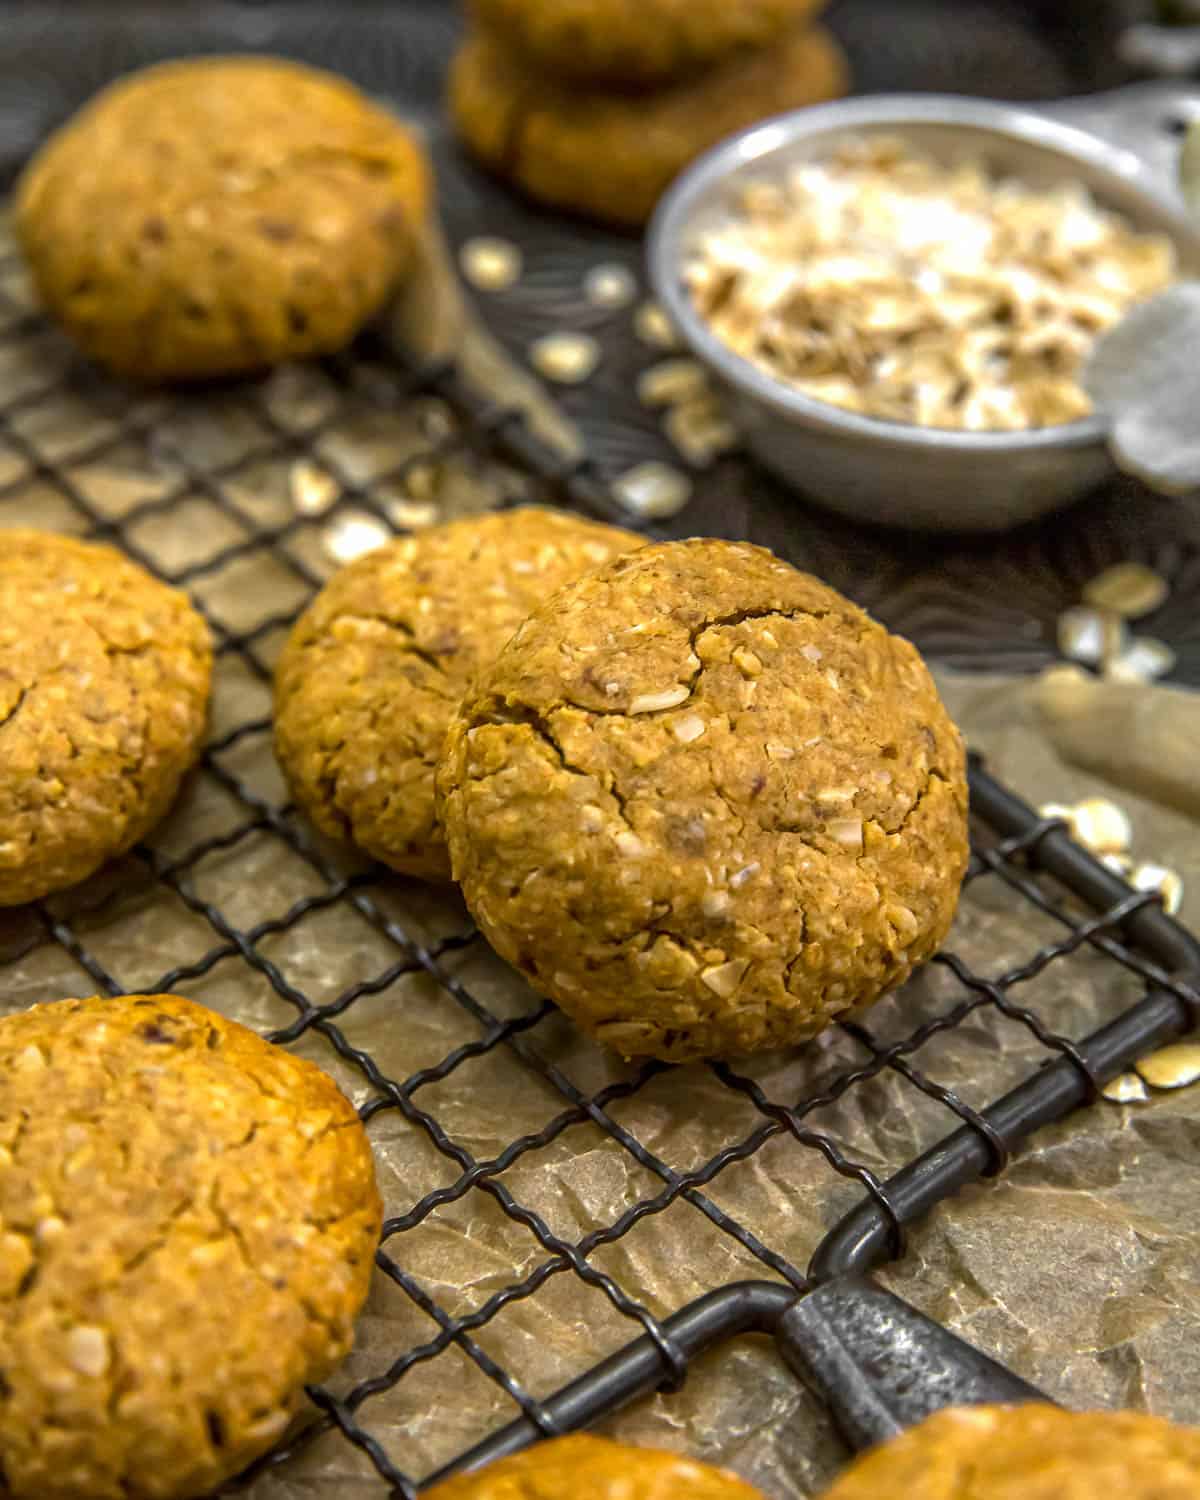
(1120,145)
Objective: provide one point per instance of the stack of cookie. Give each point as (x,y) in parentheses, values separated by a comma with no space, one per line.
(595,105)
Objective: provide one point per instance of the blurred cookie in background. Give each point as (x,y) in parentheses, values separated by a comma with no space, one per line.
(253,210)
(626,44)
(611,155)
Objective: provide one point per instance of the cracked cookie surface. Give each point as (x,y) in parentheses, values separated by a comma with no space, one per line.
(612,155)
(188,1218)
(104,683)
(1031,1453)
(374,669)
(253,210)
(631,43)
(566,1468)
(706,804)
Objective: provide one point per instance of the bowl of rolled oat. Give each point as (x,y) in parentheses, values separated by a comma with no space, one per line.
(898,294)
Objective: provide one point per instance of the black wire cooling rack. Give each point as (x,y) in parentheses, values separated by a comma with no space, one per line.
(62,426)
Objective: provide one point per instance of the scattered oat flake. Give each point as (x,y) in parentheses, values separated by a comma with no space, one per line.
(1101,826)
(653,327)
(672,381)
(491,264)
(1143,660)
(568,358)
(610,285)
(1128,589)
(353,536)
(1162,882)
(699,433)
(1126,1088)
(742,877)
(313,488)
(848,831)
(412,515)
(630,845)
(1173,1067)
(1091,636)
(653,490)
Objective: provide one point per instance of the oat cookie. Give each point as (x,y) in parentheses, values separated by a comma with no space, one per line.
(104,679)
(632,43)
(253,210)
(612,155)
(569,1467)
(188,1217)
(373,671)
(706,804)
(1031,1453)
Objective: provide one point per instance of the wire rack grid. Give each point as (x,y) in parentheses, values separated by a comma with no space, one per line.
(258,552)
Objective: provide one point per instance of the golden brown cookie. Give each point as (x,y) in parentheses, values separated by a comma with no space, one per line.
(612,155)
(1031,1453)
(373,671)
(637,43)
(217,216)
(570,1467)
(706,804)
(188,1218)
(104,678)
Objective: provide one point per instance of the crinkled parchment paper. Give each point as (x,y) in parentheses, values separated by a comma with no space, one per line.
(1081,1268)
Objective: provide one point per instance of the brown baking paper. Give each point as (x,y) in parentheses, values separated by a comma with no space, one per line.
(1079,1269)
